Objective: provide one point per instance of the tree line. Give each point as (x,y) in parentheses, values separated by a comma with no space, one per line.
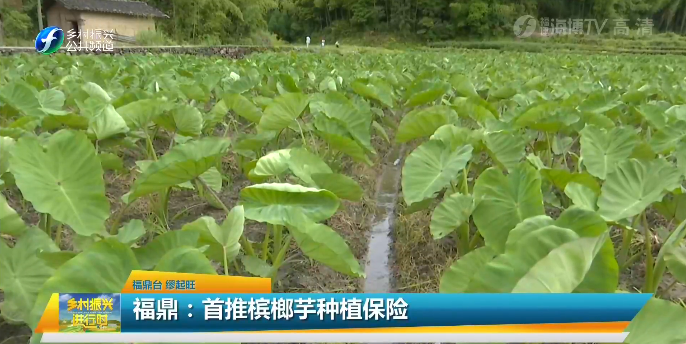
(433,20)
(239,21)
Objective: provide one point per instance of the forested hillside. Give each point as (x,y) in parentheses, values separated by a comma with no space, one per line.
(446,19)
(252,21)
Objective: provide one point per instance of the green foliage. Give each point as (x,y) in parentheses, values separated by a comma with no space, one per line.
(496,143)
(153,38)
(16,24)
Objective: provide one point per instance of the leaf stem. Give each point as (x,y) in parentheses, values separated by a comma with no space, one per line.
(226,262)
(278,239)
(171,141)
(650,263)
(114,229)
(551,156)
(302,135)
(629,262)
(265,243)
(150,147)
(465,179)
(247,246)
(475,240)
(278,260)
(627,238)
(464,239)
(58,235)
(164,207)
(46,223)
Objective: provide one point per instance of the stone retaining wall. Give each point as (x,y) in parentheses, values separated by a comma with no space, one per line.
(225,51)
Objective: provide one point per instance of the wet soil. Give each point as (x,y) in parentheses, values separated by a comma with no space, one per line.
(379,265)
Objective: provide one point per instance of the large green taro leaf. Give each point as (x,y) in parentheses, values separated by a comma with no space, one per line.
(426,91)
(667,139)
(547,116)
(181,164)
(228,234)
(423,122)
(457,277)
(25,99)
(602,150)
(658,322)
(551,259)
(475,108)
(374,89)
(430,168)
(243,107)
(22,273)
(96,92)
(463,87)
(355,120)
(183,119)
(283,111)
(451,213)
(341,185)
(103,268)
(274,203)
(504,201)
(185,259)
(273,164)
(303,164)
(603,275)
(149,255)
(560,178)
(346,145)
(634,185)
(140,113)
(221,240)
(65,180)
(455,136)
(103,119)
(582,196)
(675,259)
(599,102)
(324,245)
(202,225)
(131,232)
(507,149)
(248,145)
(12,223)
(6,145)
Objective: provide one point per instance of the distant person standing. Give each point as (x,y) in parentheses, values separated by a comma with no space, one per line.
(323,41)
(307,41)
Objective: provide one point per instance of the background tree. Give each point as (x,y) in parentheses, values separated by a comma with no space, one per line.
(2,32)
(39,12)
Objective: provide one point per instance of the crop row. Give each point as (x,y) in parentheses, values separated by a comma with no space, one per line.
(542,169)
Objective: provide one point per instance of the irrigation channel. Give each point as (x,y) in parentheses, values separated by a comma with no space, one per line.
(378,263)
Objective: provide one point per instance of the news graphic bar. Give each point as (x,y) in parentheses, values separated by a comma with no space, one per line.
(400,318)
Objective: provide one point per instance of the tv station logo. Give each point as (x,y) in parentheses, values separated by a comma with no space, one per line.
(49,40)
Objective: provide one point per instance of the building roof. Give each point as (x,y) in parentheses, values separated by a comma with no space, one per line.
(131,8)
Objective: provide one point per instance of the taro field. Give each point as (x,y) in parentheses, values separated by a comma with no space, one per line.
(508,173)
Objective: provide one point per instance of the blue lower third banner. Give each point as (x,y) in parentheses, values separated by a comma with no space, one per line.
(404,318)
